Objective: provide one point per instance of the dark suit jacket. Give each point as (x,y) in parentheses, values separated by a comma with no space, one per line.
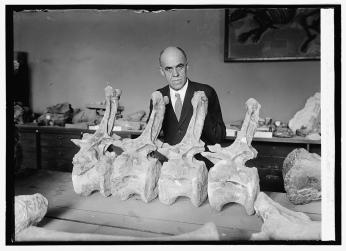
(214,130)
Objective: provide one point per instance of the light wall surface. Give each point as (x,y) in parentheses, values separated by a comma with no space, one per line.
(74,53)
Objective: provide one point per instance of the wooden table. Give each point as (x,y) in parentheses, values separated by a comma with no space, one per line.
(70,212)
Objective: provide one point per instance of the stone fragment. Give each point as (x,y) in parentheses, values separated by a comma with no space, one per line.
(182,174)
(92,165)
(301,172)
(309,117)
(135,171)
(29,210)
(230,180)
(280,223)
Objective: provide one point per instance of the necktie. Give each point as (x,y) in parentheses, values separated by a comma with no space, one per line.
(178,106)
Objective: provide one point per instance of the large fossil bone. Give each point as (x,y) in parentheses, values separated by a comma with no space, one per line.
(207,232)
(92,164)
(135,171)
(230,180)
(280,223)
(182,174)
(30,210)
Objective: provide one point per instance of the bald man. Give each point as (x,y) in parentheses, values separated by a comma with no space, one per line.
(180,90)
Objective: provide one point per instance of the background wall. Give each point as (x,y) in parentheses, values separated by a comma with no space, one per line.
(73,54)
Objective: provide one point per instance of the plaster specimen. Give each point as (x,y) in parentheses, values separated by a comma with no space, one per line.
(309,117)
(182,174)
(301,172)
(135,171)
(207,232)
(29,210)
(229,180)
(280,223)
(92,165)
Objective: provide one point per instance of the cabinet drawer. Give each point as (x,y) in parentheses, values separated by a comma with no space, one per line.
(61,165)
(58,158)
(275,149)
(29,161)
(271,180)
(58,140)
(48,153)
(27,141)
(27,148)
(314,148)
(269,172)
(266,162)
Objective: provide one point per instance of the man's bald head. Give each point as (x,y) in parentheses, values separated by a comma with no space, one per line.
(172,51)
(173,66)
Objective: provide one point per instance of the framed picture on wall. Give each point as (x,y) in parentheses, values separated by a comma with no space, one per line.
(272,34)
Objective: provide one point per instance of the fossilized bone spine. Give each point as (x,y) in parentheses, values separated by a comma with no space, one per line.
(183,175)
(230,180)
(134,171)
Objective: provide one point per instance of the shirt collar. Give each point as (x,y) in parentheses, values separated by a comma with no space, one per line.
(182,91)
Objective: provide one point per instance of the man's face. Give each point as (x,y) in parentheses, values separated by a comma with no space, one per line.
(174,68)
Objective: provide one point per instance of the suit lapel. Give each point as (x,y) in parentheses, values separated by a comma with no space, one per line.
(187,103)
(169,106)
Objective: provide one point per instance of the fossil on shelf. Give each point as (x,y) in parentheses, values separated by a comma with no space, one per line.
(229,180)
(182,174)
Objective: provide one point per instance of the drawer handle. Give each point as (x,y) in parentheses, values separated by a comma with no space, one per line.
(272,177)
(59,137)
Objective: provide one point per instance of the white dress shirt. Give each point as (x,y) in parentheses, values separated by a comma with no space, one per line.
(181,92)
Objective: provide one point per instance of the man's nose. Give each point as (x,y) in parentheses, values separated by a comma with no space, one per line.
(175,72)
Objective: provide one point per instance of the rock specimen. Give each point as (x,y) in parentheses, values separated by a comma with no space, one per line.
(280,223)
(29,210)
(135,171)
(92,165)
(283,132)
(309,117)
(182,174)
(230,180)
(58,114)
(301,172)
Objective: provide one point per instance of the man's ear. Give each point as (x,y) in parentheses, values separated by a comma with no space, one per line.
(162,72)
